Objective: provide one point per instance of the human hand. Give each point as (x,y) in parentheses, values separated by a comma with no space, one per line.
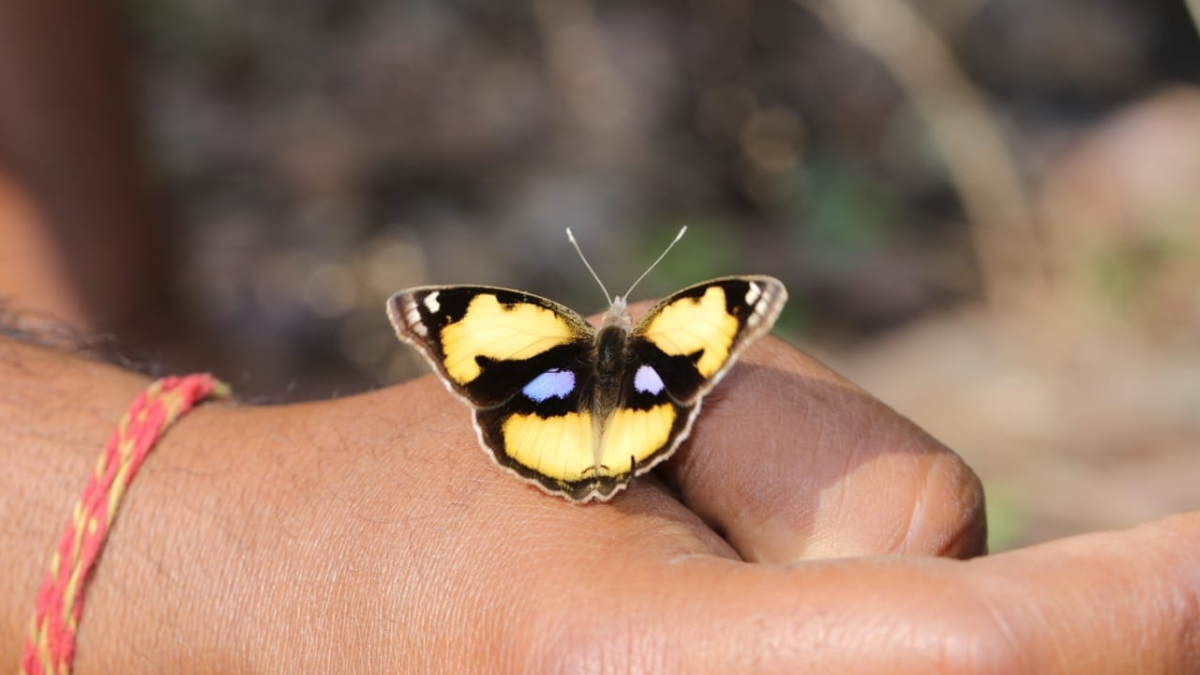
(371,533)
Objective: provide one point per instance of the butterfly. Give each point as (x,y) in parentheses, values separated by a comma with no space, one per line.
(580,411)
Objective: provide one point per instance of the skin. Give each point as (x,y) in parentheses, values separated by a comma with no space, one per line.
(371,533)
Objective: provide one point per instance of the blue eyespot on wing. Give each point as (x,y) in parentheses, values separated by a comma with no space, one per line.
(554,383)
(646,380)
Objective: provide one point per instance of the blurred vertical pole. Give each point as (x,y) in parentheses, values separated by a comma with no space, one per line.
(1194,9)
(68,142)
(1007,241)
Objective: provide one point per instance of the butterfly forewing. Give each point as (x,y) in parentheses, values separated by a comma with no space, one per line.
(693,337)
(488,343)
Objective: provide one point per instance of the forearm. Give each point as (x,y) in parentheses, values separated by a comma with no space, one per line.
(67,144)
(231,545)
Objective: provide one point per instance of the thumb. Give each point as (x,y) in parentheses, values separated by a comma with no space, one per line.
(1116,602)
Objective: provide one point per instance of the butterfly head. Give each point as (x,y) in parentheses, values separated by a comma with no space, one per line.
(617,315)
(618,310)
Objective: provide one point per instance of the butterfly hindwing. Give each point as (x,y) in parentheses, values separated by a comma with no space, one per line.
(544,433)
(488,343)
(643,430)
(553,440)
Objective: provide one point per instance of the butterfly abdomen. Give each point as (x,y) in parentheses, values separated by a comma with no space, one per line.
(611,357)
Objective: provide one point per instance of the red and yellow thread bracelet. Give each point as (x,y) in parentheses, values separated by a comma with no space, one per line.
(50,646)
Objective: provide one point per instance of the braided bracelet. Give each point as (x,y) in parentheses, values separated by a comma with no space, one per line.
(50,647)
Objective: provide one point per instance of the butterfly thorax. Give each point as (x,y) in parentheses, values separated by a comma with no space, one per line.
(611,345)
(610,355)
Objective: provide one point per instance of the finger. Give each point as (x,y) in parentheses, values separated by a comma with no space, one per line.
(1113,603)
(790,461)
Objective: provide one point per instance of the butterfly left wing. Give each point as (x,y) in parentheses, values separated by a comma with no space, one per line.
(488,343)
(674,356)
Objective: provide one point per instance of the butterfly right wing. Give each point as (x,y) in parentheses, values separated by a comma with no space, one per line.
(524,364)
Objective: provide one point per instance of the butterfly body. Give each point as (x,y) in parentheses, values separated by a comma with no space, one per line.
(576,410)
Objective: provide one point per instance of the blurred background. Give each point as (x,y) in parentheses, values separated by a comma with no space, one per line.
(987,212)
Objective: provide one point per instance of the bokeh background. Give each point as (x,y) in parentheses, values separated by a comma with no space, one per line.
(987,212)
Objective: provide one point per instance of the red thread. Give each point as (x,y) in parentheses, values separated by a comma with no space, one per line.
(50,647)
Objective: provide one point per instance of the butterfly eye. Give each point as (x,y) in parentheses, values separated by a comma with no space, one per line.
(554,383)
(647,381)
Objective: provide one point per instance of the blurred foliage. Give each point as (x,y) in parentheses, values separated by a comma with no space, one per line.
(1006,517)
(847,212)
(308,144)
(707,250)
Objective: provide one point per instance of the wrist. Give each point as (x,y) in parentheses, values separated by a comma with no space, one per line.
(56,413)
(153,596)
(230,545)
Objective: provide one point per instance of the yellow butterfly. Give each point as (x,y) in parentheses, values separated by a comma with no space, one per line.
(575,410)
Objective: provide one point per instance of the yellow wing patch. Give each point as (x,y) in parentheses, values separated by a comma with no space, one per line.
(691,325)
(491,330)
(636,434)
(561,447)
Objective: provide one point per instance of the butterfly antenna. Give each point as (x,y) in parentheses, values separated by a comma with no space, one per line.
(655,263)
(595,276)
